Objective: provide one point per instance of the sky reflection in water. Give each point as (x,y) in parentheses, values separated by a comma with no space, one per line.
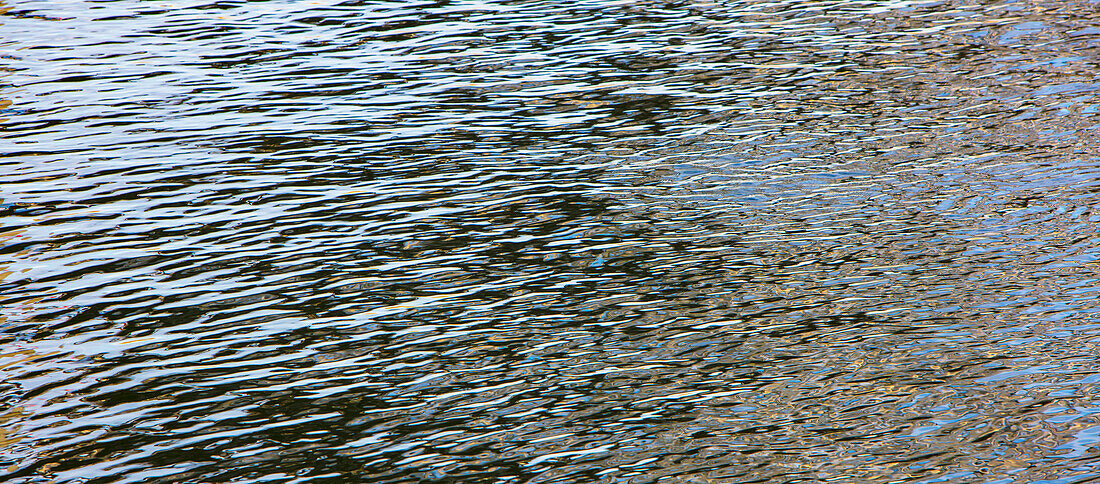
(523,241)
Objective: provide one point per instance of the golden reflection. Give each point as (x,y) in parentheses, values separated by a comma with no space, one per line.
(10,424)
(4,105)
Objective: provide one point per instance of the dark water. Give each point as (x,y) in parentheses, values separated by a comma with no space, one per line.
(523,241)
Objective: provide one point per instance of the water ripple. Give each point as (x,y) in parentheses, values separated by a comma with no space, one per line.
(535,241)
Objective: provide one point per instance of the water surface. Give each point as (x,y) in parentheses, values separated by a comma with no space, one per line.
(539,241)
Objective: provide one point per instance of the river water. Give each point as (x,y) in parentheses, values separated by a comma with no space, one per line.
(539,241)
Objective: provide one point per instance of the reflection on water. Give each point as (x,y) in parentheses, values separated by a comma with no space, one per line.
(523,241)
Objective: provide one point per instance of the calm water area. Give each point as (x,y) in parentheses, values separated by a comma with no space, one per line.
(534,241)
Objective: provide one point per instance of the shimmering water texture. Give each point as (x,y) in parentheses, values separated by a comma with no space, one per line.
(549,242)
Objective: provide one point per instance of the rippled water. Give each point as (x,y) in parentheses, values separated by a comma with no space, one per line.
(538,241)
